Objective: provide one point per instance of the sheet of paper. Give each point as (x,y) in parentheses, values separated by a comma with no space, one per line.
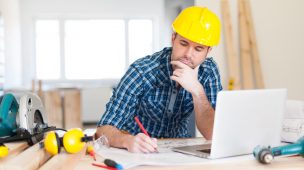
(129,160)
(165,157)
(293,123)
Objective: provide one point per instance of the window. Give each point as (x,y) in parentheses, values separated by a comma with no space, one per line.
(140,37)
(97,46)
(90,49)
(47,49)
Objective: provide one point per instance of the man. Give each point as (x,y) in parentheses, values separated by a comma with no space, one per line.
(164,88)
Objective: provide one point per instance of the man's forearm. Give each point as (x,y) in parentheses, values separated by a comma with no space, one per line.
(204,113)
(115,137)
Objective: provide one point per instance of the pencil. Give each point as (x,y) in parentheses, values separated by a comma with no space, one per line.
(141,126)
(143,129)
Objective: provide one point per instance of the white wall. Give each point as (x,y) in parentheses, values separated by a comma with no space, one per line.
(9,9)
(93,98)
(64,9)
(172,9)
(94,102)
(279,26)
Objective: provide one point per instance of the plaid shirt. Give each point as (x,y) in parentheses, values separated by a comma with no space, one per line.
(146,90)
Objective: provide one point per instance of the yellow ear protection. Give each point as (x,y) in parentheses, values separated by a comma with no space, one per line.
(3,151)
(72,141)
(52,143)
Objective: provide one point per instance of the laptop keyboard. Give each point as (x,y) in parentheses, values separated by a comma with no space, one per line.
(205,150)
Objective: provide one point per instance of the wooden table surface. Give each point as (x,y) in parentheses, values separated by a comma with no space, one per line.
(22,157)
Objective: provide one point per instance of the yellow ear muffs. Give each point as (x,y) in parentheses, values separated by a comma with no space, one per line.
(52,143)
(72,140)
(3,151)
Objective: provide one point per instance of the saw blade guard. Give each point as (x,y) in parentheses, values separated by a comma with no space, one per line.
(32,115)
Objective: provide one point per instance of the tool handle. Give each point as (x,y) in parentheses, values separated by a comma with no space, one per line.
(292,149)
(8,110)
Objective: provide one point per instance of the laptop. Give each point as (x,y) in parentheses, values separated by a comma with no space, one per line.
(243,120)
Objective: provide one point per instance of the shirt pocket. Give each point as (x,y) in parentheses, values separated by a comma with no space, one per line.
(153,109)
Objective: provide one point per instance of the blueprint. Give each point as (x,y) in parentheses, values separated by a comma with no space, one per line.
(164,157)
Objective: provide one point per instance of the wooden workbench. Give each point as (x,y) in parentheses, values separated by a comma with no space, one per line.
(22,157)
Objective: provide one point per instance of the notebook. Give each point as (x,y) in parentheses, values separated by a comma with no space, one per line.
(243,120)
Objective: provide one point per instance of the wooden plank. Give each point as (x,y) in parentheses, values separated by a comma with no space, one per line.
(72,108)
(253,46)
(246,60)
(233,61)
(64,161)
(52,103)
(40,92)
(86,162)
(15,148)
(33,86)
(31,158)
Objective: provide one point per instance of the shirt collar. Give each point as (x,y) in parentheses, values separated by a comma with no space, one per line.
(165,69)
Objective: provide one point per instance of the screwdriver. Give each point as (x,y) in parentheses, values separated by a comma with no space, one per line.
(108,162)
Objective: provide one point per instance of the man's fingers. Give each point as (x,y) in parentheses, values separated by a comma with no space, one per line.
(146,143)
(149,141)
(175,78)
(146,147)
(154,140)
(137,148)
(177,73)
(143,149)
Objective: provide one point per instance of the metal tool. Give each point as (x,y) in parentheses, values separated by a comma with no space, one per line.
(24,121)
(265,154)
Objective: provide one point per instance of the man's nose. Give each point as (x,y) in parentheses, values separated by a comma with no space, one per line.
(188,53)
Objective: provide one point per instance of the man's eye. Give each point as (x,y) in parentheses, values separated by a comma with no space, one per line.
(183,44)
(198,49)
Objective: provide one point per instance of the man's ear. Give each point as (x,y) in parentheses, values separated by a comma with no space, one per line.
(209,49)
(173,37)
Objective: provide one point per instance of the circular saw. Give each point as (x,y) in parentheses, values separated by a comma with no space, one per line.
(25,120)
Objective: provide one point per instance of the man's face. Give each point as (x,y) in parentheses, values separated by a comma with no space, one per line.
(188,52)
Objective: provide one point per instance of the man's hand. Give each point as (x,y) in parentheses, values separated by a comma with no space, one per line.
(141,143)
(186,76)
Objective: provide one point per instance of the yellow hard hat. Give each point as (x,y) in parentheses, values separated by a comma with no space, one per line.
(199,25)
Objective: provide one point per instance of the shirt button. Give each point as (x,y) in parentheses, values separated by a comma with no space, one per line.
(169,111)
(174,91)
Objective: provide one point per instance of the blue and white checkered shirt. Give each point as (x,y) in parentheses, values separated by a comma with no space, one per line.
(146,89)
